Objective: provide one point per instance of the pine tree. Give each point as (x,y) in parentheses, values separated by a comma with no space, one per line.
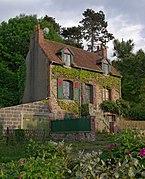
(95,29)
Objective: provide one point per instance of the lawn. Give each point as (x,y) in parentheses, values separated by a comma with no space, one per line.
(15,150)
(101,142)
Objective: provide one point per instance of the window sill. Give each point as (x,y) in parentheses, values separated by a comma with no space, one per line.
(67,66)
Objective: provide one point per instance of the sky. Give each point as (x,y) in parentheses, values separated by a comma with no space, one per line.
(125,18)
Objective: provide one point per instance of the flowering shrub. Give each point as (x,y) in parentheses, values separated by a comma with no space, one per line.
(125,158)
(43,161)
(125,143)
(142,152)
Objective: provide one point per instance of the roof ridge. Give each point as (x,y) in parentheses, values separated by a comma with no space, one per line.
(61,43)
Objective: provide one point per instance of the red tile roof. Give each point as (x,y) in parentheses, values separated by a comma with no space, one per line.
(82,58)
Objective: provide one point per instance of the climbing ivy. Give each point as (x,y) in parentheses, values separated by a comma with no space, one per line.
(85,76)
(72,106)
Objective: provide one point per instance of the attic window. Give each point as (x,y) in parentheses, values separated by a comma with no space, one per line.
(106,67)
(67,56)
(67,59)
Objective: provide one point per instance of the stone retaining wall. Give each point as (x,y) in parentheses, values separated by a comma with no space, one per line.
(73,136)
(12,116)
(130,124)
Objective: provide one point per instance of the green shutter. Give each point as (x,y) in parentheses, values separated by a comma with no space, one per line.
(60,89)
(76,89)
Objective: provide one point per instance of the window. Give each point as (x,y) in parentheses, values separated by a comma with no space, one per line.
(67,59)
(106,94)
(64,89)
(105,68)
(88,94)
(67,89)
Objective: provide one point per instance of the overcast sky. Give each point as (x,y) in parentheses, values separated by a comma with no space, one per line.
(126,18)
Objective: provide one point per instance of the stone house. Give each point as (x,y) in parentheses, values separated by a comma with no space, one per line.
(67,77)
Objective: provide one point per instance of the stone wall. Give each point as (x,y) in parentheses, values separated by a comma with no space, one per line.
(12,116)
(129,124)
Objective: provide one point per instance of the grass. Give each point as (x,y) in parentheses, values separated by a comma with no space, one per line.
(15,151)
(11,151)
(102,141)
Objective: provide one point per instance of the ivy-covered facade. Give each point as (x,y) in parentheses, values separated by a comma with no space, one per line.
(72,80)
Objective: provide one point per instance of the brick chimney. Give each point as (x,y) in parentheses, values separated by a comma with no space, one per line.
(102,51)
(38,36)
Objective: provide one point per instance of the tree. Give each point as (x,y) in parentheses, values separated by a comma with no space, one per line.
(131,66)
(14,46)
(95,29)
(52,21)
(52,35)
(73,36)
(123,49)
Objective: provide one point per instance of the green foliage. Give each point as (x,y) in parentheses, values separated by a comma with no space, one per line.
(8,86)
(1,131)
(124,158)
(123,107)
(86,76)
(20,135)
(73,36)
(72,106)
(14,46)
(43,161)
(123,49)
(109,106)
(131,66)
(21,79)
(95,29)
(120,159)
(125,143)
(84,110)
(120,107)
(52,21)
(137,112)
(52,35)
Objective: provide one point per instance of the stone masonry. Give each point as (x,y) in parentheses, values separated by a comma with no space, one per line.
(12,116)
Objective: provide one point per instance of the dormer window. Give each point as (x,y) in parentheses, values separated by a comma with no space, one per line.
(66,56)
(106,67)
(67,59)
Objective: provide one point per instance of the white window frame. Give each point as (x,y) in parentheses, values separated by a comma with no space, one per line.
(67,59)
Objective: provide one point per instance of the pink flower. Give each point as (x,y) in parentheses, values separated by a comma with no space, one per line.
(142,152)
(59,148)
(21,161)
(112,145)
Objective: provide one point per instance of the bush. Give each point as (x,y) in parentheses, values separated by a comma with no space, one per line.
(120,107)
(1,131)
(137,113)
(43,161)
(109,106)
(20,135)
(125,158)
(84,110)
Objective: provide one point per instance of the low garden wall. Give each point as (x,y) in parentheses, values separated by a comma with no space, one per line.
(17,116)
(76,135)
(131,125)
